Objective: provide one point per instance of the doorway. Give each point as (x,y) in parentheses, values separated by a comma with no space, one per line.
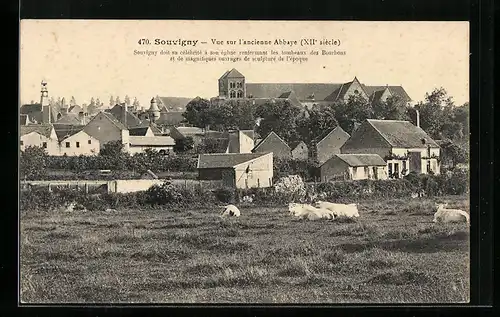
(415,159)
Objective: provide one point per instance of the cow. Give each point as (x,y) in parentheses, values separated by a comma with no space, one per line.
(309,212)
(339,210)
(231,210)
(446,215)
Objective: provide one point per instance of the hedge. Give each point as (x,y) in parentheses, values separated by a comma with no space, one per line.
(170,196)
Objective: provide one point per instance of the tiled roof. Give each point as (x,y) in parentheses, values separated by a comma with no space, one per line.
(220,146)
(336,142)
(396,90)
(138,131)
(402,133)
(189,131)
(69,118)
(30,108)
(115,121)
(171,118)
(43,129)
(303,92)
(362,159)
(132,119)
(75,109)
(151,141)
(173,103)
(226,160)
(65,131)
(233,73)
(270,135)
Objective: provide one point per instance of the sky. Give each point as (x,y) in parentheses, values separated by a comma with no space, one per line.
(95,58)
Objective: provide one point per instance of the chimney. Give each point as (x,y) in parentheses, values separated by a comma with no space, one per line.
(44,101)
(418,118)
(124,115)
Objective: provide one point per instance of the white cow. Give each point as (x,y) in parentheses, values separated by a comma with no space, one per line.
(309,212)
(231,210)
(339,210)
(446,215)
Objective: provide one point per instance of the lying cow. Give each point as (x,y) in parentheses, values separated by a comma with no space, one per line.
(231,210)
(339,210)
(446,215)
(310,212)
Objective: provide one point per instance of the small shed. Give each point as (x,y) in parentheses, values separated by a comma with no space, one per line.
(353,167)
(237,170)
(273,143)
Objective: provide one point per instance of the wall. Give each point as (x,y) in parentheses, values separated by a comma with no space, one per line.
(103,130)
(274,144)
(355,85)
(435,166)
(301,152)
(140,149)
(366,140)
(246,143)
(334,169)
(331,145)
(261,173)
(134,185)
(84,147)
(36,139)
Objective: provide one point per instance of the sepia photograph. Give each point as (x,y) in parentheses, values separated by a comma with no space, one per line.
(266,162)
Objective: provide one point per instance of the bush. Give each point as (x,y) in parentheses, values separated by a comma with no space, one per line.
(225,195)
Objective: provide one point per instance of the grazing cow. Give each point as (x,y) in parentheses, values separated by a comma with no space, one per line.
(339,210)
(231,210)
(450,215)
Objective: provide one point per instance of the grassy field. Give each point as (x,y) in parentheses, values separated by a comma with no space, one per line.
(392,253)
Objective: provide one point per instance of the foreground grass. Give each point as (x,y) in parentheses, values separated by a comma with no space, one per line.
(392,253)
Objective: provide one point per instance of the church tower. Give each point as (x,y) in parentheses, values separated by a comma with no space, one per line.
(232,85)
(154,111)
(44,101)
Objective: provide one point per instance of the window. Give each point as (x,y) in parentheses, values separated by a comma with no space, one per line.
(389,169)
(239,84)
(22,142)
(77,144)
(67,144)
(428,166)
(90,141)
(396,169)
(404,167)
(44,144)
(232,94)
(356,91)
(240,94)
(232,85)
(355,171)
(367,171)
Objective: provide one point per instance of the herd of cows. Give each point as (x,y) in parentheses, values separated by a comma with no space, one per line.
(330,211)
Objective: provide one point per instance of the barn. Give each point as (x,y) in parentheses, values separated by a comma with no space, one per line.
(237,170)
(353,167)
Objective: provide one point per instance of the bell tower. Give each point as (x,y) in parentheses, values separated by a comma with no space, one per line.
(44,101)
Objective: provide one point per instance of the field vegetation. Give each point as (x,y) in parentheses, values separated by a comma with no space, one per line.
(393,253)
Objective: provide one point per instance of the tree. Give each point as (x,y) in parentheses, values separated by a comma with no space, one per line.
(435,113)
(127,100)
(63,102)
(136,103)
(391,109)
(454,154)
(198,113)
(111,101)
(113,151)
(92,107)
(318,123)
(278,116)
(183,145)
(118,100)
(355,109)
(72,101)
(33,163)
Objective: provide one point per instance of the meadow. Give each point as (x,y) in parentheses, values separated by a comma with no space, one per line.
(393,253)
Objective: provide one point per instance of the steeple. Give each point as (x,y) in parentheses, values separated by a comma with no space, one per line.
(154,111)
(44,101)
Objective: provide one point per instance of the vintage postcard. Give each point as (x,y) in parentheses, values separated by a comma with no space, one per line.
(184,161)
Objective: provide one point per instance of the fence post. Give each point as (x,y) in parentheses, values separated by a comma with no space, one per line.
(86,188)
